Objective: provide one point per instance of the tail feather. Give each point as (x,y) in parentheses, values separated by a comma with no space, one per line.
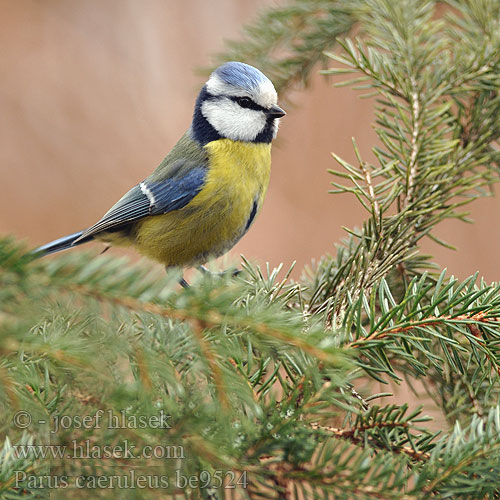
(60,244)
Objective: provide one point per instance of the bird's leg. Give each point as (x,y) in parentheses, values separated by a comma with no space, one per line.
(182,281)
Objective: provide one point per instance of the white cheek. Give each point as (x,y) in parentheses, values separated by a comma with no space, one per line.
(232,121)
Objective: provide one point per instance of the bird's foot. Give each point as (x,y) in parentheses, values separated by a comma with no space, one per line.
(231,272)
(205,270)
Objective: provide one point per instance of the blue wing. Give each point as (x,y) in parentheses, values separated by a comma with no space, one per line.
(150,198)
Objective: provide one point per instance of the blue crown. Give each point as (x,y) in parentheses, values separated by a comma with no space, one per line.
(241,75)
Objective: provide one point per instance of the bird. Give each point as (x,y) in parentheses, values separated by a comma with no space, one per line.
(206,193)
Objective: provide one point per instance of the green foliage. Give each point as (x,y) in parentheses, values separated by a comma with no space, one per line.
(272,381)
(430,95)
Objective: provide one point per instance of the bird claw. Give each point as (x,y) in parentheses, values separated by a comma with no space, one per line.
(232,272)
(205,270)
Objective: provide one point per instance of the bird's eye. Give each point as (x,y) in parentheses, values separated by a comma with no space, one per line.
(244,102)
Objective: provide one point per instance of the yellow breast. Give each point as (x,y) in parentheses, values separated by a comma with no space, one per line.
(217,216)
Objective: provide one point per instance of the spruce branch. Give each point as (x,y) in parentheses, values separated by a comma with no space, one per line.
(424,167)
(471,320)
(384,429)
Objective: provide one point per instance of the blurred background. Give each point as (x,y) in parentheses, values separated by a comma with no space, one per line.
(94,94)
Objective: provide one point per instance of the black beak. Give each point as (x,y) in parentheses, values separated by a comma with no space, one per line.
(275,112)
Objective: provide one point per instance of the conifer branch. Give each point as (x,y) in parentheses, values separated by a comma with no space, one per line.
(356,436)
(201,320)
(469,319)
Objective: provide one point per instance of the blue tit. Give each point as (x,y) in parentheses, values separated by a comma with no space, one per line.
(206,193)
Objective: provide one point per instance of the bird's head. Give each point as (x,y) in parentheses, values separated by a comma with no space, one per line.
(238,102)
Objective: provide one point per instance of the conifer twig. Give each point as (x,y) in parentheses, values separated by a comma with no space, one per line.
(352,436)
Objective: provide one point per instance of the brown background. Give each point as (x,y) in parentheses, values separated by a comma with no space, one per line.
(94,93)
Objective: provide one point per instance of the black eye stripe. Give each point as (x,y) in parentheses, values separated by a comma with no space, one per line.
(250,105)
